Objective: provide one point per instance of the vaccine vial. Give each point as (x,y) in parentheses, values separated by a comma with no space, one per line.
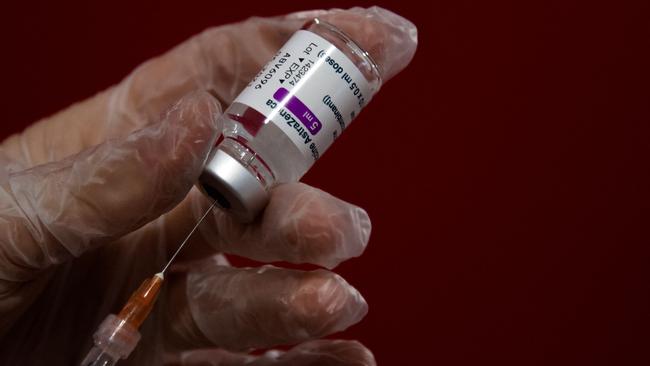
(288,116)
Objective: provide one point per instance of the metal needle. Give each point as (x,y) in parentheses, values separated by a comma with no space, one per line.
(188,237)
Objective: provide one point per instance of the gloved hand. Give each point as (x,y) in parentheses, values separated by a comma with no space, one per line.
(95,198)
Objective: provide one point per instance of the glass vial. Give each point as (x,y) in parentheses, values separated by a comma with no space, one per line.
(287,116)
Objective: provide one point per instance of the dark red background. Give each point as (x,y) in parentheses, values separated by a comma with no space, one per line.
(506,171)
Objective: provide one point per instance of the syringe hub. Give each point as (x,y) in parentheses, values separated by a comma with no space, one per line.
(118,335)
(141,301)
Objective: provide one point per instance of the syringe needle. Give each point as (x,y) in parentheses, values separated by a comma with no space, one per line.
(161,273)
(118,334)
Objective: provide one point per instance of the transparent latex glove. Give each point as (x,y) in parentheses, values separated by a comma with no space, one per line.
(95,198)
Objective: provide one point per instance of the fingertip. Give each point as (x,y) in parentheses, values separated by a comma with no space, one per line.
(324,303)
(316,227)
(390,39)
(364,226)
(400,43)
(187,135)
(306,227)
(198,113)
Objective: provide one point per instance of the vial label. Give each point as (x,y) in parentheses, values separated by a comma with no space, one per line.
(310,90)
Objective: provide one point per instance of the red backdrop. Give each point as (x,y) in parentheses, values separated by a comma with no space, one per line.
(506,171)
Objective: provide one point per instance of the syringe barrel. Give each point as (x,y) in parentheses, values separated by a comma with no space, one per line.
(118,335)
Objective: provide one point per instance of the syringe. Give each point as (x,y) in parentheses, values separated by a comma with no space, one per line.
(118,334)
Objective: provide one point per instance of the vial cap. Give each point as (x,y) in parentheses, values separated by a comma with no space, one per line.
(233,186)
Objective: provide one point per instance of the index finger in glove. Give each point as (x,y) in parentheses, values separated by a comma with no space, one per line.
(57,210)
(221,60)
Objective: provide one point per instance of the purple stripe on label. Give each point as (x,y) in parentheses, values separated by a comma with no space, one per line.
(297,107)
